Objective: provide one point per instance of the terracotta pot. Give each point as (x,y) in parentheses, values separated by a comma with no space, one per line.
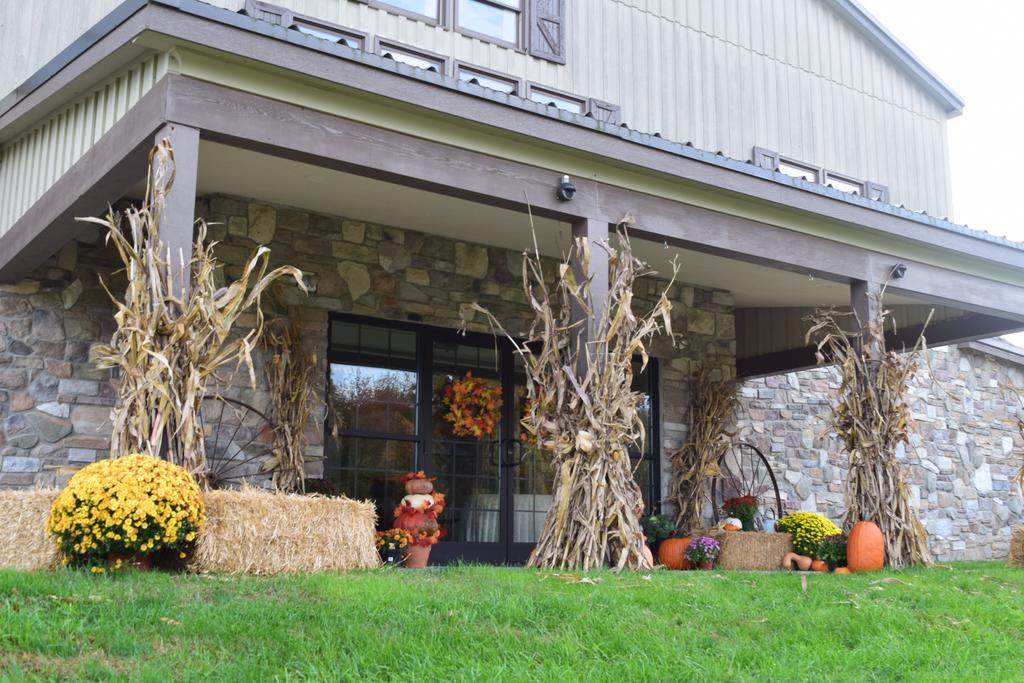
(420,486)
(142,563)
(819,566)
(707,565)
(416,556)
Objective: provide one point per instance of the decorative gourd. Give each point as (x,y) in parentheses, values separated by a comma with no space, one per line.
(672,553)
(647,554)
(819,566)
(803,563)
(865,548)
(731,527)
(842,570)
(734,521)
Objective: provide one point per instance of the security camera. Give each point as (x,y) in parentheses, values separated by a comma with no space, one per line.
(898,271)
(566,190)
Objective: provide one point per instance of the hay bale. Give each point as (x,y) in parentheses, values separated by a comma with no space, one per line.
(24,543)
(1017,547)
(253,531)
(752,550)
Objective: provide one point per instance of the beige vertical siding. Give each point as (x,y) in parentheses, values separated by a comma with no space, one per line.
(789,75)
(32,162)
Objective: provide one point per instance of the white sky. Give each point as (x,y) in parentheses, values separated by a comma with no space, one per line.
(977,48)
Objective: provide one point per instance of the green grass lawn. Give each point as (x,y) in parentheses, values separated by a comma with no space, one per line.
(955,622)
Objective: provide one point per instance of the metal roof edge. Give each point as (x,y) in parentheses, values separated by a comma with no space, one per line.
(885,39)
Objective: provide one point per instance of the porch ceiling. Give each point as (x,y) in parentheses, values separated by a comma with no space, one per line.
(230,170)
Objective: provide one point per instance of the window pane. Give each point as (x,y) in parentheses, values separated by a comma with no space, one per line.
(345,336)
(410,59)
(796,171)
(427,8)
(364,469)
(556,101)
(489,20)
(508,87)
(372,399)
(328,35)
(844,185)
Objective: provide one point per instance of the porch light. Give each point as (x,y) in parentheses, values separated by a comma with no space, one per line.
(566,190)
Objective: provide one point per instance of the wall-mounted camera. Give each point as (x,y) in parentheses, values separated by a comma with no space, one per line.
(566,190)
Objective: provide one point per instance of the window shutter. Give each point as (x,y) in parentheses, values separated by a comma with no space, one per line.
(547,30)
(604,112)
(766,159)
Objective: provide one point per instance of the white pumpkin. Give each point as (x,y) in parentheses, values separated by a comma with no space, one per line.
(421,502)
(734,521)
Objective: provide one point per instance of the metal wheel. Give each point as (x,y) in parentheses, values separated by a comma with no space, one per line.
(238,441)
(744,471)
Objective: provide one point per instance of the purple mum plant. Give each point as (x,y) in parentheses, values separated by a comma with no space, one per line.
(703,549)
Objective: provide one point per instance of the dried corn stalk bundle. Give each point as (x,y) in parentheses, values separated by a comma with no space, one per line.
(1020,425)
(712,405)
(293,401)
(871,417)
(169,345)
(582,409)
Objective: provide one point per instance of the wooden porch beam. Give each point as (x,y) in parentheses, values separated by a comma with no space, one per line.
(177,222)
(285,130)
(595,231)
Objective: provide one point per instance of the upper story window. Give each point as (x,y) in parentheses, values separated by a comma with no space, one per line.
(417,58)
(429,9)
(487,79)
(773,161)
(497,20)
(569,103)
(334,34)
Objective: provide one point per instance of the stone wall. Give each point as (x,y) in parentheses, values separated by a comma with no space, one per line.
(55,403)
(962,456)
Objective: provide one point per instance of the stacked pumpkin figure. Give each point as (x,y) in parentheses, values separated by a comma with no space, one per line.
(417,514)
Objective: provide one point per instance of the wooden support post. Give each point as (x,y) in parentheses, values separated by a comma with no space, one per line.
(178,219)
(594,231)
(865,297)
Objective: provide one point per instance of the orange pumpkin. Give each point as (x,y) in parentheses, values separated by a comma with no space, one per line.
(672,553)
(842,570)
(819,566)
(730,527)
(865,548)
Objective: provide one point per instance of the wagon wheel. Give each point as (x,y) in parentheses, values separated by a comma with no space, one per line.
(744,471)
(238,441)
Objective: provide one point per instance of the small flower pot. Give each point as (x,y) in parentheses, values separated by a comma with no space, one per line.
(416,556)
(707,565)
(832,564)
(142,563)
(748,524)
(391,557)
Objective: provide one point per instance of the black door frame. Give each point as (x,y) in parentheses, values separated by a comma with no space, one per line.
(505,550)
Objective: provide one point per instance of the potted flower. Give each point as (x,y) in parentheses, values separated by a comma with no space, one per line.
(743,508)
(832,549)
(417,515)
(657,528)
(703,551)
(391,543)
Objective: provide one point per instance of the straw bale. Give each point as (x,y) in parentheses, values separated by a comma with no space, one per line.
(752,550)
(24,543)
(253,531)
(1017,547)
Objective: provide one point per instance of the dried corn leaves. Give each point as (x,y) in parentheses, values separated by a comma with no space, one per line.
(172,340)
(871,417)
(582,409)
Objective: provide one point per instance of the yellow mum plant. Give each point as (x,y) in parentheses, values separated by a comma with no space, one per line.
(808,529)
(128,506)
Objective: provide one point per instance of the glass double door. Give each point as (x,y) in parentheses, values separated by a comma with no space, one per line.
(391,412)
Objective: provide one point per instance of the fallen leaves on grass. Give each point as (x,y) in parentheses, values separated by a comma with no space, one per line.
(170,622)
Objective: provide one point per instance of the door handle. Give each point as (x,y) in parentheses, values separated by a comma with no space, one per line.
(513,448)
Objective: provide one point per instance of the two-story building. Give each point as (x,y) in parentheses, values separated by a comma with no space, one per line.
(790,153)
